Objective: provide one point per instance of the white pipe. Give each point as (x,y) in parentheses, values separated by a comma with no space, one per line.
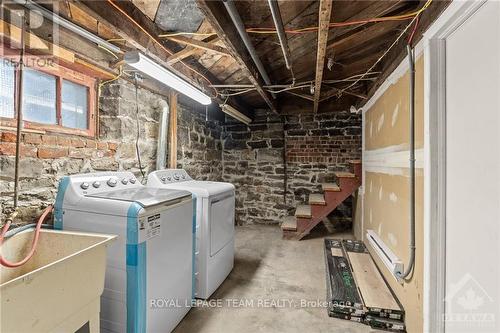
(278,23)
(161,153)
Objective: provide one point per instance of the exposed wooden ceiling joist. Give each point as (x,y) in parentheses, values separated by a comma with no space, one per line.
(325,12)
(221,22)
(302,55)
(145,40)
(397,54)
(189,51)
(199,44)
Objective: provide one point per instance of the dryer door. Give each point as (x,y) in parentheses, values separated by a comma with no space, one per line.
(221,222)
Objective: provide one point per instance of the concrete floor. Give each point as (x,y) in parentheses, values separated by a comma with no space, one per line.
(269,270)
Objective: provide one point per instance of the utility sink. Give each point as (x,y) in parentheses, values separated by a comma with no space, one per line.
(59,288)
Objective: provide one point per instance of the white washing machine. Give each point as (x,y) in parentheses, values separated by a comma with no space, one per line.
(214,255)
(149,274)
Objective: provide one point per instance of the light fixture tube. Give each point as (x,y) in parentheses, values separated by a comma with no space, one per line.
(149,67)
(230,111)
(68,25)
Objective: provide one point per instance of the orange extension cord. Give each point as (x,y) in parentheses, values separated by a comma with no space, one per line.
(5,262)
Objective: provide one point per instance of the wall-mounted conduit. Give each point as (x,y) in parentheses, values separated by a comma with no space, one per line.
(411,262)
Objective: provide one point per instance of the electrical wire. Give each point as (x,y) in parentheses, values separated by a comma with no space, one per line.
(137,152)
(381,57)
(410,39)
(112,3)
(120,73)
(402,17)
(108,50)
(173,34)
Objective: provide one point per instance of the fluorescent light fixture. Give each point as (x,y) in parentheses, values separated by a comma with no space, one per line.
(149,67)
(230,111)
(68,25)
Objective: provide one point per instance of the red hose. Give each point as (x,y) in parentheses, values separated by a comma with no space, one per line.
(5,262)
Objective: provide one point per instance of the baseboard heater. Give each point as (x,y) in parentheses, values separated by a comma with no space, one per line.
(393,263)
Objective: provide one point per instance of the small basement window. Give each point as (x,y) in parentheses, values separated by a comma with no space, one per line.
(55,99)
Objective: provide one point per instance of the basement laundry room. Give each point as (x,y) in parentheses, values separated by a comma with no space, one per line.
(221,166)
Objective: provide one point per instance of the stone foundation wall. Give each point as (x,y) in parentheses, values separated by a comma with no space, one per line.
(268,184)
(48,157)
(253,162)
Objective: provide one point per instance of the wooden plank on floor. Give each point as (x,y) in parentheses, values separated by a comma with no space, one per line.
(342,293)
(374,290)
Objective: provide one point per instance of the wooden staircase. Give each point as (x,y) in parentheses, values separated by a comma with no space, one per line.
(321,204)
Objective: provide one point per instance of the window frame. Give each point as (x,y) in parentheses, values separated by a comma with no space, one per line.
(60,72)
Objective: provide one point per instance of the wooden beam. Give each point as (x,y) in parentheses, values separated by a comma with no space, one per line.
(198,44)
(359,37)
(325,12)
(144,39)
(397,54)
(218,17)
(172,150)
(188,51)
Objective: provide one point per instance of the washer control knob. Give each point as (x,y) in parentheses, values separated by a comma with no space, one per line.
(112,182)
(132,180)
(169,178)
(183,177)
(96,184)
(84,186)
(177,176)
(163,179)
(124,181)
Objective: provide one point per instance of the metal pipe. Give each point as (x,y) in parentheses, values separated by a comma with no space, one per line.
(278,23)
(19,111)
(161,154)
(411,261)
(238,23)
(68,25)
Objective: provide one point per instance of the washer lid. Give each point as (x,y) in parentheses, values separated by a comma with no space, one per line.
(144,196)
(203,188)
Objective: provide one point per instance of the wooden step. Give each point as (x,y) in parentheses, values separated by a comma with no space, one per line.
(354,161)
(289,223)
(342,174)
(317,199)
(303,211)
(330,187)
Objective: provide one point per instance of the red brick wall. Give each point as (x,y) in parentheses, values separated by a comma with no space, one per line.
(316,146)
(47,146)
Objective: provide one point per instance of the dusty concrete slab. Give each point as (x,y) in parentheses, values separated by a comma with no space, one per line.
(275,278)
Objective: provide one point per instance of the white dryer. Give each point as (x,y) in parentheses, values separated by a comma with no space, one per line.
(214,255)
(149,284)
